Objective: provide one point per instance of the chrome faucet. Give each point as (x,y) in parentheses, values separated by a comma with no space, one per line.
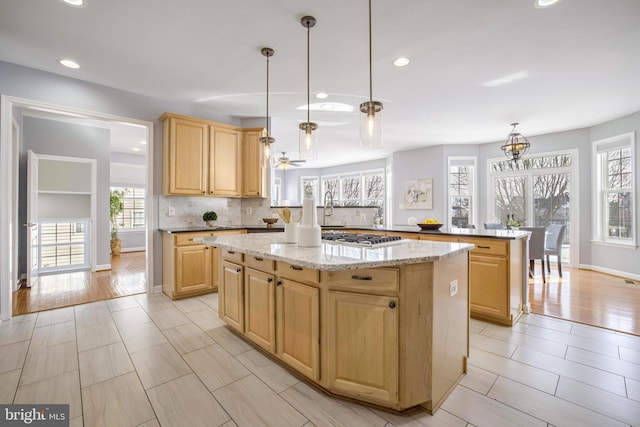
(329,195)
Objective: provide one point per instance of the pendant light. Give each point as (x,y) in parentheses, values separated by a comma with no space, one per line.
(516,145)
(371,117)
(308,137)
(266,141)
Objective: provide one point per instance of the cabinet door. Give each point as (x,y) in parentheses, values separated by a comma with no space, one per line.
(362,345)
(298,327)
(232,300)
(194,265)
(188,157)
(252,168)
(224,162)
(259,308)
(488,286)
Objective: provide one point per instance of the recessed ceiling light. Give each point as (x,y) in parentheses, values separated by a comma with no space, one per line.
(143,142)
(541,4)
(70,63)
(75,3)
(402,61)
(322,95)
(506,79)
(135,149)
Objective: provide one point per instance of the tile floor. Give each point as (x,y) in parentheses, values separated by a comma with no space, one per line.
(146,361)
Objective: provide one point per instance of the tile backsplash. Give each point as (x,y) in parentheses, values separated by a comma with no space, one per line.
(177,212)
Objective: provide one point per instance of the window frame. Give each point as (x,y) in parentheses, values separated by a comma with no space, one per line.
(129,195)
(600,173)
(470,161)
(318,187)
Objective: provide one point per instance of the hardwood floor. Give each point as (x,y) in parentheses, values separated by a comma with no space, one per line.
(126,277)
(587,297)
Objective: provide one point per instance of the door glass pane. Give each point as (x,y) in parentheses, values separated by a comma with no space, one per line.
(551,204)
(510,198)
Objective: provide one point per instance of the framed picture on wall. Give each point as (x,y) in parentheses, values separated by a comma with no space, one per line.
(418,194)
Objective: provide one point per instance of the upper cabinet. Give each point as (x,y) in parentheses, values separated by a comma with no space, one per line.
(205,158)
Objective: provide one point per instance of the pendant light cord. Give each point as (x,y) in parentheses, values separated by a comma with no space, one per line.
(370,60)
(308,75)
(268,132)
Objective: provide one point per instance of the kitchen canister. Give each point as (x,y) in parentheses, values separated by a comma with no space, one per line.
(309,232)
(291,232)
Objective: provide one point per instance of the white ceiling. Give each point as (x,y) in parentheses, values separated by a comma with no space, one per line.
(582,59)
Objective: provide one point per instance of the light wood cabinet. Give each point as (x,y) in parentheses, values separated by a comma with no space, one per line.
(362,347)
(488,288)
(231,298)
(189,268)
(185,151)
(260,306)
(298,326)
(254,180)
(205,158)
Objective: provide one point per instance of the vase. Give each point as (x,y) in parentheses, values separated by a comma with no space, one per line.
(211,224)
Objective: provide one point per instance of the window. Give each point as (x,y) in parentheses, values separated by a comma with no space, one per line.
(310,188)
(461,191)
(63,245)
(331,184)
(356,189)
(351,194)
(615,184)
(132,215)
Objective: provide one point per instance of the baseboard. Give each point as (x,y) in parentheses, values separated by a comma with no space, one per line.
(103,267)
(623,274)
(157,289)
(140,249)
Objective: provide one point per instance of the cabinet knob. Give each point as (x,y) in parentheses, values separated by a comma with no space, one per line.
(238,270)
(206,247)
(392,304)
(204,192)
(279,282)
(270,279)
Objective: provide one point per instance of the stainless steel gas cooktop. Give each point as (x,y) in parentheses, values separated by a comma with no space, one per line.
(362,240)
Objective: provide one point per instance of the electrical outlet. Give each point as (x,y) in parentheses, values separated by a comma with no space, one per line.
(249,211)
(171,211)
(453,287)
(363,217)
(190,203)
(225,211)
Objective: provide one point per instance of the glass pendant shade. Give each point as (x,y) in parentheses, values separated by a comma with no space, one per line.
(308,141)
(267,140)
(371,124)
(516,145)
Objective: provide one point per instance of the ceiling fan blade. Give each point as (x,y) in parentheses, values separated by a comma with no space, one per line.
(297,161)
(295,165)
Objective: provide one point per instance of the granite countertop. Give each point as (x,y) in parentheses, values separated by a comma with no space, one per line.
(497,234)
(335,256)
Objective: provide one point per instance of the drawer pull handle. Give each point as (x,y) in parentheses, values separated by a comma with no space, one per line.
(356,277)
(279,282)
(270,279)
(231,252)
(295,267)
(238,270)
(257,258)
(392,304)
(484,247)
(191,240)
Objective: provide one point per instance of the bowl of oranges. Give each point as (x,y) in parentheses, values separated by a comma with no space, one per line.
(430,224)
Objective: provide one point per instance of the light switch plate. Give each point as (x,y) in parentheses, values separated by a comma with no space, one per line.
(249,211)
(171,211)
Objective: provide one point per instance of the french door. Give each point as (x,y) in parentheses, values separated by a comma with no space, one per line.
(537,191)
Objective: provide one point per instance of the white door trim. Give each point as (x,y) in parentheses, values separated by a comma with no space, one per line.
(9,188)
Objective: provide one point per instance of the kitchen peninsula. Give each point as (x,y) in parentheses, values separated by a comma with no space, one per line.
(383,325)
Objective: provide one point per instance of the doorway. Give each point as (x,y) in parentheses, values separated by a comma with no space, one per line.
(10,219)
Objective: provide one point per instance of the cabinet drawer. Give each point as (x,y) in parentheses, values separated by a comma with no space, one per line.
(367,279)
(260,263)
(488,246)
(184,239)
(295,272)
(231,255)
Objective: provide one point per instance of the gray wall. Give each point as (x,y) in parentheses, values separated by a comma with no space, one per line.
(28,83)
(65,139)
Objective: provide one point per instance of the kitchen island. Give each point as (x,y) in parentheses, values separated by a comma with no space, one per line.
(384,325)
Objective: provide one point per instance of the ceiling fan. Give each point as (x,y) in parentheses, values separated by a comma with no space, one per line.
(283,162)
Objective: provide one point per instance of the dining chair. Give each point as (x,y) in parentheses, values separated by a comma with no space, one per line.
(553,245)
(493,226)
(536,249)
(469,226)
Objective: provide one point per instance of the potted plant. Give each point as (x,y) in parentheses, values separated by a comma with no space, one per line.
(210,218)
(115,207)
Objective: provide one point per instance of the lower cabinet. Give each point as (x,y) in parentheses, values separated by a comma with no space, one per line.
(297,326)
(259,303)
(193,269)
(362,347)
(489,288)
(232,295)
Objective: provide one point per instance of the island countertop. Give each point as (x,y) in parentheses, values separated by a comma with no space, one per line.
(336,256)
